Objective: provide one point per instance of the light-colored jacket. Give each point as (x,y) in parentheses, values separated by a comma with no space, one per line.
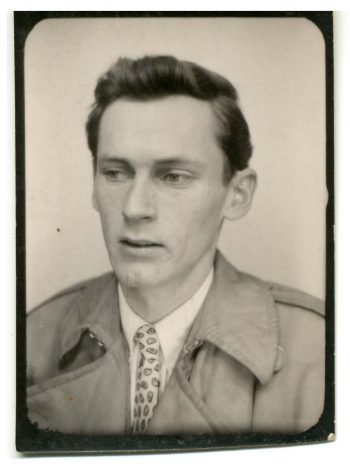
(253,362)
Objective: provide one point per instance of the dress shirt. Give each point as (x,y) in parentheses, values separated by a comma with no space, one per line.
(172,331)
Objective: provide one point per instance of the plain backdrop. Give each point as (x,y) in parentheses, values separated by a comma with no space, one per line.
(278,68)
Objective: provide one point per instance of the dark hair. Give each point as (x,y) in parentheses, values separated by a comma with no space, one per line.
(153,77)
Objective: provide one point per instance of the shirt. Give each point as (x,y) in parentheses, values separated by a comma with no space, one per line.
(172,331)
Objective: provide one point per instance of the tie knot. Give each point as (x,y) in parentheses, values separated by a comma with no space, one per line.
(147,339)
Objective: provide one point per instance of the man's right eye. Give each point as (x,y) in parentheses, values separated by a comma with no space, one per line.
(116,175)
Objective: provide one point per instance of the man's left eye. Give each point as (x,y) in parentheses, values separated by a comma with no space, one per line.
(176,178)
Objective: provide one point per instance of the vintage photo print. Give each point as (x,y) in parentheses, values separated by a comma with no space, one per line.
(174,241)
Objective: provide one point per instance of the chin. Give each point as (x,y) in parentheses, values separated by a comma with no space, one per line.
(135,278)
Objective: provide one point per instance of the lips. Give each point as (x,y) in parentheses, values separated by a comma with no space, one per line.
(139,243)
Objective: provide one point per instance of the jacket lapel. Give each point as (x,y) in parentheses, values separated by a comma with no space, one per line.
(239,317)
(86,397)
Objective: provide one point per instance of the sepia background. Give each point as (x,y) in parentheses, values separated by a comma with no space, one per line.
(278,68)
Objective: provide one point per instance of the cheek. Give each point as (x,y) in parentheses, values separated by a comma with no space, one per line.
(198,219)
(110,216)
(108,202)
(208,211)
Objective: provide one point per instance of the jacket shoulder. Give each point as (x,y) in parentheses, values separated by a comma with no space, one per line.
(293,297)
(68,293)
(285,295)
(50,312)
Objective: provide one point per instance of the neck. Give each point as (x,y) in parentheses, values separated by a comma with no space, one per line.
(153,303)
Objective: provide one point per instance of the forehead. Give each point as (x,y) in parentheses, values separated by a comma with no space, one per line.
(170,126)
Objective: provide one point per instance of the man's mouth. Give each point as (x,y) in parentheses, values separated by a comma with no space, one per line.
(139,243)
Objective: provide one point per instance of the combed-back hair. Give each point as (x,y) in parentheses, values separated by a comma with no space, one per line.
(153,77)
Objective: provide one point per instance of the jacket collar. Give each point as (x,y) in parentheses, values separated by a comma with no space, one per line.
(238,316)
(97,310)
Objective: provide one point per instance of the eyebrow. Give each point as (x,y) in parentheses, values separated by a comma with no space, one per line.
(164,162)
(114,159)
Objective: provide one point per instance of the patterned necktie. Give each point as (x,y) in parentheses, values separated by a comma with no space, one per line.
(148,377)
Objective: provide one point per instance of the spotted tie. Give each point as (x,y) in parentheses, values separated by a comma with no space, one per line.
(148,377)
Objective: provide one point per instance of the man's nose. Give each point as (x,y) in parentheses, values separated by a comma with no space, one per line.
(140,201)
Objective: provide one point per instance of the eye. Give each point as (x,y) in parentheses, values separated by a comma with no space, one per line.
(117,175)
(173,177)
(177,178)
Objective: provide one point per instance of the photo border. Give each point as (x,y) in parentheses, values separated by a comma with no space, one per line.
(29,438)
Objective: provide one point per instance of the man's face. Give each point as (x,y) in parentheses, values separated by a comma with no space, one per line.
(159,189)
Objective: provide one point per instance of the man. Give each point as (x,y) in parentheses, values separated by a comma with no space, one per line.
(175,340)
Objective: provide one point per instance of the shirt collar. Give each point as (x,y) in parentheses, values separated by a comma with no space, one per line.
(171,329)
(238,316)
(129,319)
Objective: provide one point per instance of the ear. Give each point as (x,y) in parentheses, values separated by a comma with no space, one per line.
(240,195)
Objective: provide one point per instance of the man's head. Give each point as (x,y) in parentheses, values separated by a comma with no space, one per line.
(154,77)
(163,180)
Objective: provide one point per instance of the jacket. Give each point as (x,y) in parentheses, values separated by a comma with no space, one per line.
(253,361)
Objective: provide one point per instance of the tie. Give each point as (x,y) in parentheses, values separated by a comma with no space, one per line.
(148,377)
